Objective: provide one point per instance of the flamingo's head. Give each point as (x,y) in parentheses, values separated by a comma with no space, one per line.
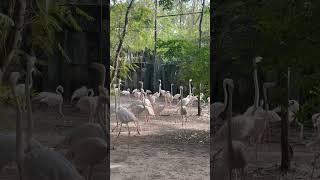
(293,103)
(228,82)
(60,88)
(190,80)
(181,87)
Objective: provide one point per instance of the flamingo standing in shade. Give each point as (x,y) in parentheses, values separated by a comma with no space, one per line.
(252,109)
(234,153)
(88,104)
(316,122)
(218,107)
(52,99)
(78,93)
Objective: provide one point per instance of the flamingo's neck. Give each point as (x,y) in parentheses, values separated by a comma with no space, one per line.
(229,139)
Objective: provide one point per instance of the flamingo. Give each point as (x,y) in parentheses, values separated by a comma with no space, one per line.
(88,104)
(78,93)
(316,122)
(125,116)
(252,109)
(218,107)
(234,153)
(52,99)
(161,92)
(190,91)
(183,109)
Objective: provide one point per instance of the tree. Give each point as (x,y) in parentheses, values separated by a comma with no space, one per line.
(120,45)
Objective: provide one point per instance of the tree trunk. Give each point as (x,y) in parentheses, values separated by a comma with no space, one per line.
(28,87)
(199,101)
(119,48)
(285,164)
(200,23)
(19,144)
(19,22)
(155,65)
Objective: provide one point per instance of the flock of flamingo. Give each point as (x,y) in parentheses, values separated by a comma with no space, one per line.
(86,145)
(75,156)
(146,103)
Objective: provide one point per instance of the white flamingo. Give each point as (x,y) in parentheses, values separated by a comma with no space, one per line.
(316,122)
(161,92)
(143,106)
(176,96)
(125,93)
(157,94)
(190,91)
(52,99)
(218,107)
(152,98)
(125,116)
(252,109)
(242,126)
(234,153)
(183,109)
(88,104)
(168,98)
(80,92)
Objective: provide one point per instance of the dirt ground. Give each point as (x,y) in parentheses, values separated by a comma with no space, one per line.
(164,150)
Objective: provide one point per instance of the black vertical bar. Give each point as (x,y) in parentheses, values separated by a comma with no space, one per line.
(105,52)
(212,83)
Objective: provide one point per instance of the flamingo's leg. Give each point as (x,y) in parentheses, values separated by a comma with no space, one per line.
(117,135)
(137,125)
(301,130)
(128,129)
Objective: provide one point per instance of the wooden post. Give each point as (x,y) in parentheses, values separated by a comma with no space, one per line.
(199,101)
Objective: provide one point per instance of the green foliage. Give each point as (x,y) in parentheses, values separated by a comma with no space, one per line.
(173,50)
(125,69)
(166,4)
(177,37)
(46,25)
(193,61)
